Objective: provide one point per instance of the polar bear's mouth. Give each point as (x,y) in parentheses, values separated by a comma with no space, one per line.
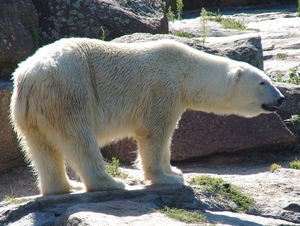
(269,108)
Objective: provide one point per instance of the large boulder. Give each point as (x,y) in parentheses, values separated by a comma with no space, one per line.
(291,105)
(201,134)
(18,23)
(245,48)
(89,18)
(10,154)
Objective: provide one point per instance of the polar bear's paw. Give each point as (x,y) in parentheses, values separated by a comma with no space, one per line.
(76,186)
(107,184)
(173,171)
(167,179)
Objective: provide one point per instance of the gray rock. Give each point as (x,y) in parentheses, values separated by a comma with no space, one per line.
(60,19)
(10,154)
(201,134)
(291,106)
(18,19)
(241,48)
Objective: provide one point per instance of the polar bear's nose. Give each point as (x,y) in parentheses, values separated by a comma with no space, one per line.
(280,100)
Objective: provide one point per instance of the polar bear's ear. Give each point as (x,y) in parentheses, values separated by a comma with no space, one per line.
(235,74)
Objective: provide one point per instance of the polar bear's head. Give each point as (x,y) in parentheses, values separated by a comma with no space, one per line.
(232,87)
(252,92)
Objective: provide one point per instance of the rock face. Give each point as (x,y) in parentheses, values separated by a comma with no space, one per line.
(292,104)
(89,18)
(201,134)
(18,21)
(245,48)
(10,154)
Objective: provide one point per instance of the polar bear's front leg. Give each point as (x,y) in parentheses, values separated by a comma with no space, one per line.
(151,151)
(167,162)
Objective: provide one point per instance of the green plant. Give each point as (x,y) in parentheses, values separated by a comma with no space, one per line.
(293,124)
(281,56)
(170,14)
(102,34)
(113,169)
(203,21)
(298,9)
(232,24)
(279,78)
(273,167)
(182,34)
(35,33)
(14,200)
(295,164)
(221,190)
(294,76)
(184,216)
(179,6)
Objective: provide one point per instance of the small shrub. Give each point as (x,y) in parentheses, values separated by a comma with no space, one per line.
(293,124)
(294,76)
(179,6)
(295,164)
(203,21)
(113,169)
(184,216)
(273,167)
(170,14)
(225,191)
(182,34)
(35,33)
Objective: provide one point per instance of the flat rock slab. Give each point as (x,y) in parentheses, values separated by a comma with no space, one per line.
(276,194)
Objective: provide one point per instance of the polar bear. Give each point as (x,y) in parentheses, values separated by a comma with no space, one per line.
(77,94)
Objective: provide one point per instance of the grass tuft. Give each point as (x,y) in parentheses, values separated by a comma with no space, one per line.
(273,167)
(184,216)
(182,34)
(221,190)
(295,164)
(14,200)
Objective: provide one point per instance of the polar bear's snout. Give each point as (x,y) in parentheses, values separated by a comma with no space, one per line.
(273,106)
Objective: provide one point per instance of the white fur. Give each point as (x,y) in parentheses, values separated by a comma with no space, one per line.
(78,94)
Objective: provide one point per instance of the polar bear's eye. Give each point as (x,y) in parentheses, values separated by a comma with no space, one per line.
(262,83)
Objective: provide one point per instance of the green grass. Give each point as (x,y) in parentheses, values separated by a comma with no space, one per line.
(182,34)
(113,169)
(273,167)
(233,24)
(35,33)
(293,124)
(14,200)
(295,164)
(184,216)
(221,190)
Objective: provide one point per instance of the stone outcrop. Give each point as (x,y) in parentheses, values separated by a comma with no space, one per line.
(245,48)
(89,18)
(18,21)
(201,134)
(10,154)
(291,105)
